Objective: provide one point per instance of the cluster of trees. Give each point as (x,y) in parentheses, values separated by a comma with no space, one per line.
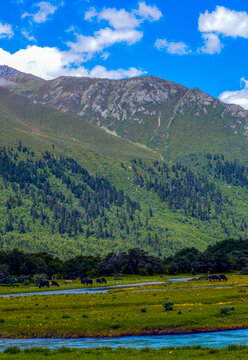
(18,265)
(63,196)
(232,172)
(182,189)
(222,257)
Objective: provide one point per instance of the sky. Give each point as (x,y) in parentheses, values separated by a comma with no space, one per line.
(201,44)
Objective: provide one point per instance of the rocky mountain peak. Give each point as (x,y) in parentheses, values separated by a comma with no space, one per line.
(10,74)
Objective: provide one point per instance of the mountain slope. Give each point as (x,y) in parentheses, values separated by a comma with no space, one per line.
(178,205)
(167,117)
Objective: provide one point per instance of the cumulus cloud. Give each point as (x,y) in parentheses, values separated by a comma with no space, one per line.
(41,16)
(151,13)
(224,21)
(49,63)
(239,97)
(28,36)
(123,19)
(212,44)
(178,48)
(221,22)
(102,39)
(119,19)
(6,31)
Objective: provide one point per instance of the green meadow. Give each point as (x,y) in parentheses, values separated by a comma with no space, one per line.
(128,311)
(195,353)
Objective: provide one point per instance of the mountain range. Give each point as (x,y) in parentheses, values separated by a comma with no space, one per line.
(179,153)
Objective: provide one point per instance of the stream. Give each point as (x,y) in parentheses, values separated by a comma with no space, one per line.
(220,339)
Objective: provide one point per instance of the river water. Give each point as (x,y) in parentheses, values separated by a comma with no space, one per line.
(220,339)
(90,290)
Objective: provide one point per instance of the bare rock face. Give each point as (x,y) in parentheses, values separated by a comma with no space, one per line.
(12,75)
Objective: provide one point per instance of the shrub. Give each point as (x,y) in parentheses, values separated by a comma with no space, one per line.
(12,350)
(65,316)
(225,310)
(64,349)
(168,306)
(2,321)
(37,278)
(143,309)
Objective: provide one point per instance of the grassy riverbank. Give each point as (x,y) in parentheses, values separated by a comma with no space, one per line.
(76,284)
(121,312)
(195,353)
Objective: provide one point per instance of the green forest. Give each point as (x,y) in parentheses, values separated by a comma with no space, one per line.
(55,203)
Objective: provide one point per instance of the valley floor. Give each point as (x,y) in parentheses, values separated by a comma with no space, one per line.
(198,306)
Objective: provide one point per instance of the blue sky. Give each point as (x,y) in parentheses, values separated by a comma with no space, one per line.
(200,44)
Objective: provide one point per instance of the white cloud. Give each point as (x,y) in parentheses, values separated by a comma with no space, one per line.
(6,31)
(178,48)
(224,21)
(212,44)
(102,72)
(49,63)
(151,13)
(41,16)
(239,97)
(27,35)
(119,19)
(90,14)
(102,39)
(123,19)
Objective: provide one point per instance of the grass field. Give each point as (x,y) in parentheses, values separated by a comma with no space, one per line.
(231,353)
(121,312)
(76,284)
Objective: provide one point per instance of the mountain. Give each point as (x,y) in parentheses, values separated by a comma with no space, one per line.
(167,117)
(174,159)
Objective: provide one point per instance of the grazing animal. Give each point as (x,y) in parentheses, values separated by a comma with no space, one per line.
(98,281)
(213,278)
(223,277)
(87,282)
(54,283)
(44,283)
(104,280)
(68,282)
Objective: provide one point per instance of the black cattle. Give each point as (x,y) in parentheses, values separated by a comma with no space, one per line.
(54,283)
(98,281)
(87,282)
(44,283)
(222,277)
(104,280)
(213,278)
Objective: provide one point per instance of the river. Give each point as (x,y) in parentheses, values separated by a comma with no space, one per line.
(220,339)
(91,290)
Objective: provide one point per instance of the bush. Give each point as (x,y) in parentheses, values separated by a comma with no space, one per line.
(12,350)
(37,278)
(225,310)
(2,321)
(143,309)
(168,306)
(65,316)
(141,271)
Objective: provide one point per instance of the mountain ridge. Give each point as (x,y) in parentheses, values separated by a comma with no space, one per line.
(147,110)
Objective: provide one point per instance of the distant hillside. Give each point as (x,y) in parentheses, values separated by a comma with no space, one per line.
(167,117)
(60,169)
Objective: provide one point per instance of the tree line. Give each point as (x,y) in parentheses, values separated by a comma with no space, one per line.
(16,265)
